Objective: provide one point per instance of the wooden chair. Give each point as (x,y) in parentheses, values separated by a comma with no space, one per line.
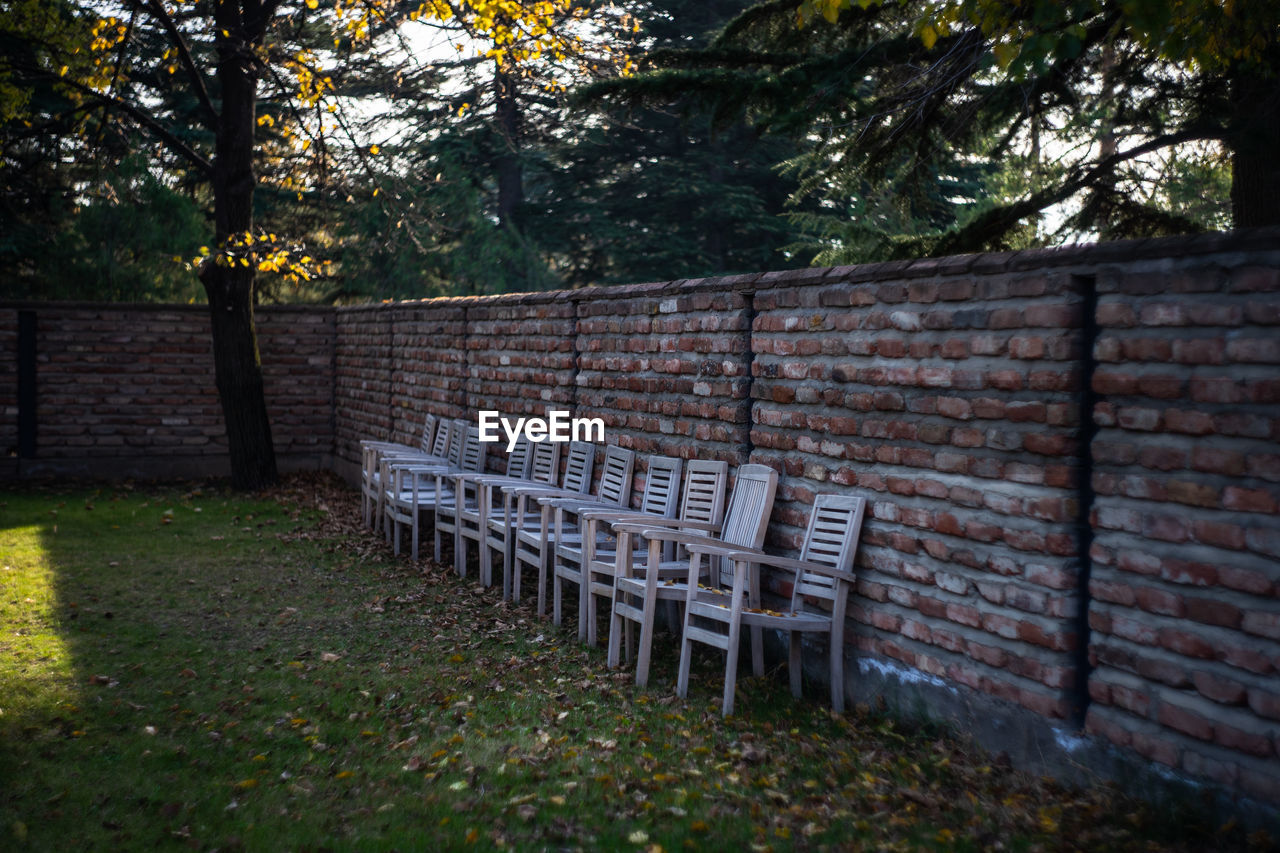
(372,452)
(462,518)
(661,491)
(702,500)
(637,590)
(417,488)
(527,521)
(715,614)
(613,491)
(495,505)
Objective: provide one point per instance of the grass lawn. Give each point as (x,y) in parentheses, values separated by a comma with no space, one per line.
(187,668)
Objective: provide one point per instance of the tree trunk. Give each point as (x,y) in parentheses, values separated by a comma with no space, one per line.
(1254,141)
(510,174)
(230,287)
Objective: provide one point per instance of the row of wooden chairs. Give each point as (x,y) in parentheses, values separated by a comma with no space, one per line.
(686,546)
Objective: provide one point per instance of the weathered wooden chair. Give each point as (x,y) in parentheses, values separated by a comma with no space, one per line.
(435,443)
(715,613)
(461,518)
(661,491)
(638,589)
(613,491)
(489,529)
(527,521)
(417,488)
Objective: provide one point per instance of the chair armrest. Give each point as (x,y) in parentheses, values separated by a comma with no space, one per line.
(577,506)
(425,469)
(666,534)
(654,521)
(617,515)
(762,559)
(716,548)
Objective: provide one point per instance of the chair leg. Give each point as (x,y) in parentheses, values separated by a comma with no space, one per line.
(486,561)
(615,633)
(731,668)
(590,606)
(837,670)
(646,641)
(557,592)
(686,658)
(583,595)
(757,651)
(459,550)
(543,560)
(793,663)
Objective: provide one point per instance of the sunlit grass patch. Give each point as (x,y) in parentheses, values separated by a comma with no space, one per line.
(192,668)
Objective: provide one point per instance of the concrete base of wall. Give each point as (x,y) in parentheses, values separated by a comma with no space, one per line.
(152,468)
(1031,742)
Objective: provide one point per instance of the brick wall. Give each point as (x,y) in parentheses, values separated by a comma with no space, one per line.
(949,391)
(667,368)
(129,390)
(949,401)
(429,363)
(1186,555)
(363,351)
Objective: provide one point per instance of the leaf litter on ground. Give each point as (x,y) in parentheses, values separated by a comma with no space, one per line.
(276,679)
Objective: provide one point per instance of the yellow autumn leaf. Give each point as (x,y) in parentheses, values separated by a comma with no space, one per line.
(373,149)
(929,36)
(1005,53)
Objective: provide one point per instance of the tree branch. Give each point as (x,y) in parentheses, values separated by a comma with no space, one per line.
(184,56)
(147,121)
(1000,220)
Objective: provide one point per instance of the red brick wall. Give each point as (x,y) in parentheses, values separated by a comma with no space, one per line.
(428,365)
(363,357)
(948,400)
(667,368)
(1186,557)
(129,390)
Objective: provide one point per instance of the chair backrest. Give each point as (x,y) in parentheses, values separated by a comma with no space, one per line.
(704,487)
(577,470)
(750,504)
(615,480)
(545,463)
(473,451)
(440,445)
(831,539)
(661,486)
(457,438)
(519,458)
(428,433)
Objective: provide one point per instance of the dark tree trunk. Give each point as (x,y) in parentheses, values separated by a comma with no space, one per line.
(1255,147)
(510,174)
(230,287)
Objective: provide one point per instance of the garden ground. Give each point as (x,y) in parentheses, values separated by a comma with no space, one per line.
(185,667)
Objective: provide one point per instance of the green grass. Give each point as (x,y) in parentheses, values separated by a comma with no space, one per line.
(188,668)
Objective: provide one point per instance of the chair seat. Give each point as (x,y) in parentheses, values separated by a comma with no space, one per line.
(670,588)
(714,604)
